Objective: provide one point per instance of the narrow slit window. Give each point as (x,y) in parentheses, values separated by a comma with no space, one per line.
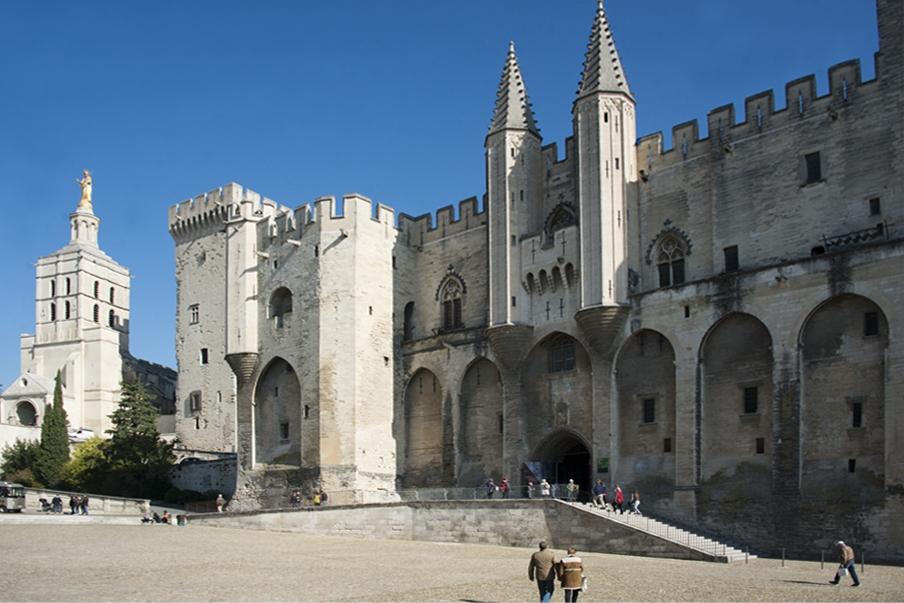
(649,410)
(732,262)
(751,400)
(857,414)
(813,167)
(761,445)
(667,445)
(204,356)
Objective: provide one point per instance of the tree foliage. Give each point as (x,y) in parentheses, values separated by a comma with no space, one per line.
(138,460)
(19,457)
(54,450)
(88,466)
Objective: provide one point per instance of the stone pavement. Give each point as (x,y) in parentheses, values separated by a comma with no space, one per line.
(164,563)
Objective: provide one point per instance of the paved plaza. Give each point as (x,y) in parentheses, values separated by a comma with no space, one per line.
(162,563)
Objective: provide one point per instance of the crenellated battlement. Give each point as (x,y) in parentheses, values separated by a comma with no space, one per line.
(230,202)
(420,230)
(760,115)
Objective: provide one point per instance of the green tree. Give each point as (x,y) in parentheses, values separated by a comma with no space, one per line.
(88,466)
(139,460)
(54,451)
(18,458)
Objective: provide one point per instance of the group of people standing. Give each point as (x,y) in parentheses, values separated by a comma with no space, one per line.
(78,504)
(569,571)
(318,498)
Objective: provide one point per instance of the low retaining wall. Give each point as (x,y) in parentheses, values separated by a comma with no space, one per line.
(507,523)
(97,503)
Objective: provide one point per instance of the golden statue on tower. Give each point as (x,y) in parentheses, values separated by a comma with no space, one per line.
(85,183)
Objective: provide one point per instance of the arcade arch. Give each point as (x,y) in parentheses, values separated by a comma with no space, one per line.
(480,436)
(423,464)
(277,415)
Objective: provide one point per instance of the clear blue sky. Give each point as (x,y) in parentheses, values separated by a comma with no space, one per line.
(166,100)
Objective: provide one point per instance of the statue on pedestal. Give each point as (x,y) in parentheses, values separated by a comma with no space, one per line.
(85,183)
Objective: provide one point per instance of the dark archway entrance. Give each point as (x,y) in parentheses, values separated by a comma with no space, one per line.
(560,457)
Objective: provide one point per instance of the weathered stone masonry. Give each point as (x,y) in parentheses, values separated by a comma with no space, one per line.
(715,324)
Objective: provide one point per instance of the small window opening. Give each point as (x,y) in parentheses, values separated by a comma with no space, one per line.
(667,445)
(606,117)
(203,355)
(857,414)
(617,164)
(761,445)
(521,195)
(514,302)
(751,400)
(197,422)
(52,312)
(194,401)
(68,286)
(370,310)
(649,410)
(52,288)
(275,264)
(514,240)
(112,295)
(316,250)
(194,314)
(307,411)
(852,465)
(393,262)
(276,391)
(814,169)
(870,323)
(111,319)
(874,207)
(500,423)
(731,258)
(512,151)
(96,313)
(284,430)
(96,289)
(68,311)
(687,311)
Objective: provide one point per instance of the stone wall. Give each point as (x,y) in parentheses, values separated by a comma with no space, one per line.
(514,523)
(204,476)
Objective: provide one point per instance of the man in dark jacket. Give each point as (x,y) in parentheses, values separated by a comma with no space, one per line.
(543,568)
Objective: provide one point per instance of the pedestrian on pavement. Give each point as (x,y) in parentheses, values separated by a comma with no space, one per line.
(571,575)
(221,502)
(619,500)
(847,565)
(490,487)
(57,504)
(543,568)
(544,488)
(530,488)
(83,503)
(504,487)
(572,489)
(315,500)
(295,498)
(73,504)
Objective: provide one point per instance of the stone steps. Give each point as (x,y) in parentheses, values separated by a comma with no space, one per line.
(719,551)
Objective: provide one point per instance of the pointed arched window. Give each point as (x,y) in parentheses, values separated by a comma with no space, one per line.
(451,300)
(670,261)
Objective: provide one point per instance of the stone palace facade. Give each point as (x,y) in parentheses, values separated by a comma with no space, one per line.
(716,324)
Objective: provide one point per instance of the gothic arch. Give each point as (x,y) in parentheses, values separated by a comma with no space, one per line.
(480,434)
(423,441)
(561,455)
(669,232)
(562,216)
(450,295)
(736,364)
(645,383)
(277,415)
(557,388)
(843,344)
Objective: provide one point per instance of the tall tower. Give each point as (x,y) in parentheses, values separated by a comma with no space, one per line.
(81,322)
(514,188)
(605,132)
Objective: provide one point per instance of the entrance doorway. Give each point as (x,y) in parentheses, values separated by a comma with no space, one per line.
(560,457)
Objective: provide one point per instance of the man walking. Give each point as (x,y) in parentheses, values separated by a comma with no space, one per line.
(543,568)
(847,565)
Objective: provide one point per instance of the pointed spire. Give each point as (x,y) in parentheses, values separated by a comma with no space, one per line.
(513,109)
(603,70)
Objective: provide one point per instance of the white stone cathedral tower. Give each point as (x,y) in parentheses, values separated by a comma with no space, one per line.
(81,325)
(605,134)
(514,189)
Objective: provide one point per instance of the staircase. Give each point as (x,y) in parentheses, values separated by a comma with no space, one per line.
(718,550)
